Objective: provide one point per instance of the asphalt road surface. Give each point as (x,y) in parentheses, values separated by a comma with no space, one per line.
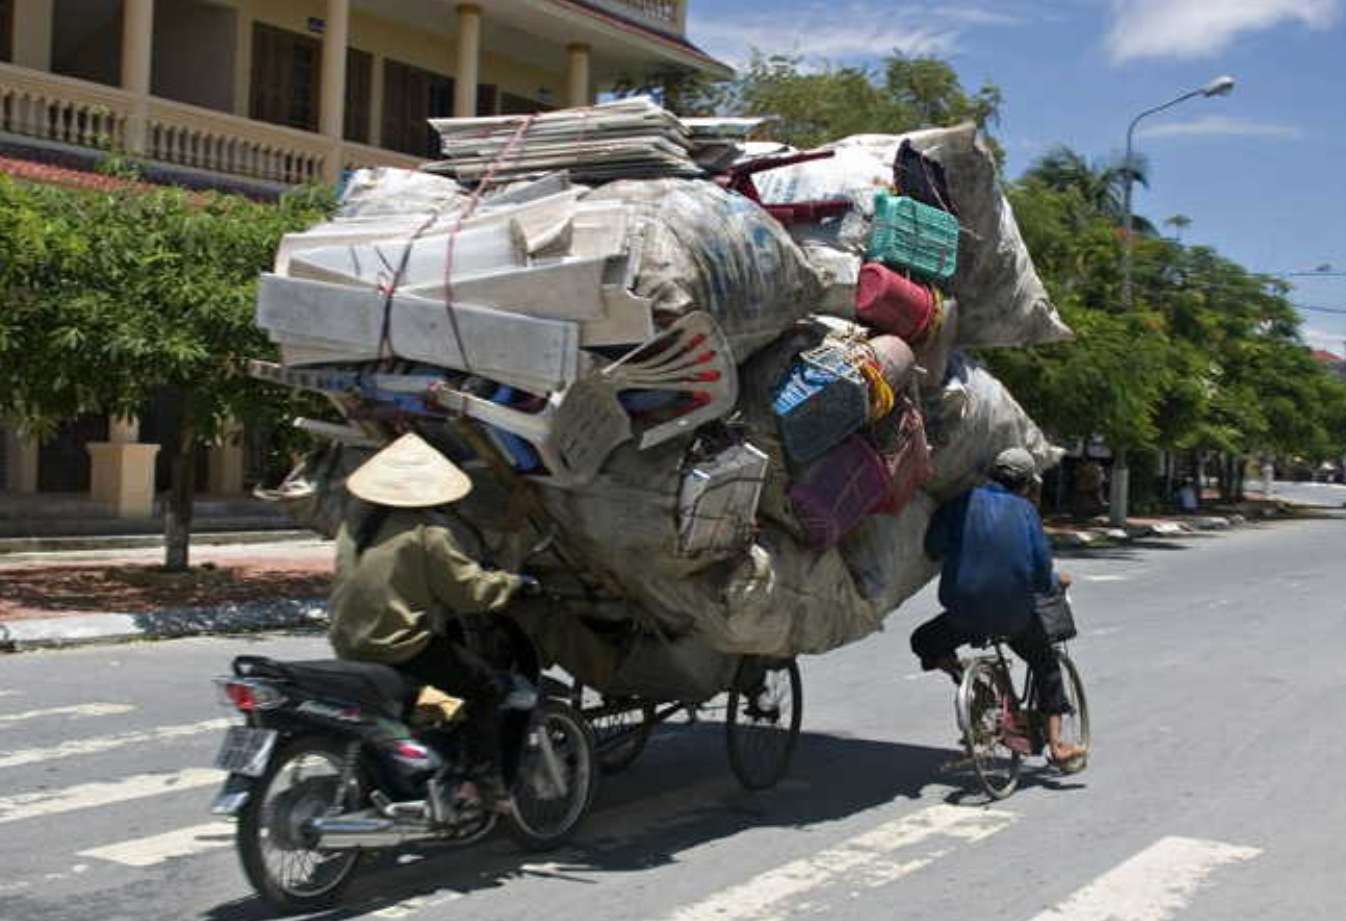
(1214,671)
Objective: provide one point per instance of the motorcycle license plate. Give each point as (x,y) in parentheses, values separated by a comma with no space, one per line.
(246,751)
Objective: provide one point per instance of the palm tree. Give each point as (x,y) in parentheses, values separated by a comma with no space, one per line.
(1179,223)
(1101,186)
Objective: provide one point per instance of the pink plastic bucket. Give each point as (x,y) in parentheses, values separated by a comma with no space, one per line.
(891,303)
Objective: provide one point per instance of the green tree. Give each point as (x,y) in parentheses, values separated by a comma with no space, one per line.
(114,298)
(813,106)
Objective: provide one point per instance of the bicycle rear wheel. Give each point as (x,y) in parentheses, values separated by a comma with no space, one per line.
(1075,724)
(985,701)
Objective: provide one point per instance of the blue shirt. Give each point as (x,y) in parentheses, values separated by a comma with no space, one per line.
(996,557)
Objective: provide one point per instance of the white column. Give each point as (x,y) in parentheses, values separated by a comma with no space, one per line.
(21,459)
(137,42)
(137,49)
(243,59)
(469,61)
(332,110)
(578,92)
(32,33)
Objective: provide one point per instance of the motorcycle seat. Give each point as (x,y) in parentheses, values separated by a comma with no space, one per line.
(369,685)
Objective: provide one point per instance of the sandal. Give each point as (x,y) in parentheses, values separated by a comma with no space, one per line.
(1072,765)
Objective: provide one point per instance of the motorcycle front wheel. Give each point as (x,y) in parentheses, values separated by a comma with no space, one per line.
(275,842)
(557,778)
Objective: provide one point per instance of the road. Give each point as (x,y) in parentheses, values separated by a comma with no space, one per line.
(1214,671)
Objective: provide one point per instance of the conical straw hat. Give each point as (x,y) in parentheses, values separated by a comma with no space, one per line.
(409,474)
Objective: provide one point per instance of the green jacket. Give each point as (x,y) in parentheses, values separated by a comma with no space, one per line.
(384,599)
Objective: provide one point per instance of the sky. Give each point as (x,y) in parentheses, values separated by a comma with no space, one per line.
(1261,172)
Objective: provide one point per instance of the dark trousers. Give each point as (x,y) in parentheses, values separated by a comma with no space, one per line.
(938,639)
(449,665)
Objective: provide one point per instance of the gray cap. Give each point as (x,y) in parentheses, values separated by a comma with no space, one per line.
(1015,465)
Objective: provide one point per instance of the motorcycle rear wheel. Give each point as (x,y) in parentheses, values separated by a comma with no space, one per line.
(274,846)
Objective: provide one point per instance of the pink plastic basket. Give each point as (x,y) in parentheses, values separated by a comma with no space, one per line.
(836,492)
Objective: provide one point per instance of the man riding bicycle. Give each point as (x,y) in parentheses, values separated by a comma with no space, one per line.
(996,559)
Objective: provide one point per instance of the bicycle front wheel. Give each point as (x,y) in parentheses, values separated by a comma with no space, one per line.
(985,704)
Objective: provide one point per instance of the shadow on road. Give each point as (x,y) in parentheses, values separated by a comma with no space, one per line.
(681,794)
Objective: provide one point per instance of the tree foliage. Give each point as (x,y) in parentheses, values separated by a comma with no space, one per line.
(1210,359)
(114,299)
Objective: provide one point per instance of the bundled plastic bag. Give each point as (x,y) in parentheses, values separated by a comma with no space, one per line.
(696,246)
(971,420)
(1003,301)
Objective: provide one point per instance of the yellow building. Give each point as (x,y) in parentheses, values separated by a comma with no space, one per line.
(256,95)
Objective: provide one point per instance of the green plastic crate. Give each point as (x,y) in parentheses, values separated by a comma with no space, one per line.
(913,237)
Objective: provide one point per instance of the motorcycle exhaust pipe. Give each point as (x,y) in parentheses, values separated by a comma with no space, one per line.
(343,833)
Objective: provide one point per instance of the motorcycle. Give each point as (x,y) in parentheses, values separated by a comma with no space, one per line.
(329,766)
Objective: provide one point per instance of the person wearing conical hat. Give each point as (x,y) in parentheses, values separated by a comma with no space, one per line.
(404,568)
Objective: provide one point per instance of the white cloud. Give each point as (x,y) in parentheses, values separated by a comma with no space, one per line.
(1327,340)
(1201,28)
(734,41)
(841,32)
(1221,126)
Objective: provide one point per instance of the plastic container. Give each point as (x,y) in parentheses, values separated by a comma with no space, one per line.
(901,444)
(896,361)
(836,493)
(913,237)
(717,503)
(893,304)
(821,401)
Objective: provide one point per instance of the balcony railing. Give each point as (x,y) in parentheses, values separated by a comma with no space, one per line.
(662,14)
(69,111)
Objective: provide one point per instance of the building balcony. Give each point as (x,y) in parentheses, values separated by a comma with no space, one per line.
(250,91)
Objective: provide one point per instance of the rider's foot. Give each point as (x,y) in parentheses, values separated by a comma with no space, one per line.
(1067,758)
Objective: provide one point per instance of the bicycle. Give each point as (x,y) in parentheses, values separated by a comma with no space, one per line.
(1000,726)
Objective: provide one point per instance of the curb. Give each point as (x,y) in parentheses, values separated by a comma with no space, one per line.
(15,546)
(172,623)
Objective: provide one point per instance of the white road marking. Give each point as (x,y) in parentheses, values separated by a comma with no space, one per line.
(155,849)
(98,744)
(79,711)
(10,693)
(868,859)
(22,806)
(1154,885)
(1106,578)
(408,907)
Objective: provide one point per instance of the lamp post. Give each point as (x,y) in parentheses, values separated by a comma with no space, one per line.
(1121,474)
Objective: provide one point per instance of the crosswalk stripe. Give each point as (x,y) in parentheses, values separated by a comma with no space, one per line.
(869,859)
(79,711)
(22,806)
(155,849)
(98,744)
(1153,885)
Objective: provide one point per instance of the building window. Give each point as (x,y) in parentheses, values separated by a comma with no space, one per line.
(511,104)
(359,84)
(410,96)
(487,96)
(6,30)
(286,72)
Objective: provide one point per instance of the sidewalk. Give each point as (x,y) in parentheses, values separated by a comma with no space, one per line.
(1066,533)
(79,596)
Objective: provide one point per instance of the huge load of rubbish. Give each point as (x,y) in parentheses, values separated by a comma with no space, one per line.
(722,387)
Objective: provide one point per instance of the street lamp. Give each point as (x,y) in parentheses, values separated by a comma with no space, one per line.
(1220,86)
